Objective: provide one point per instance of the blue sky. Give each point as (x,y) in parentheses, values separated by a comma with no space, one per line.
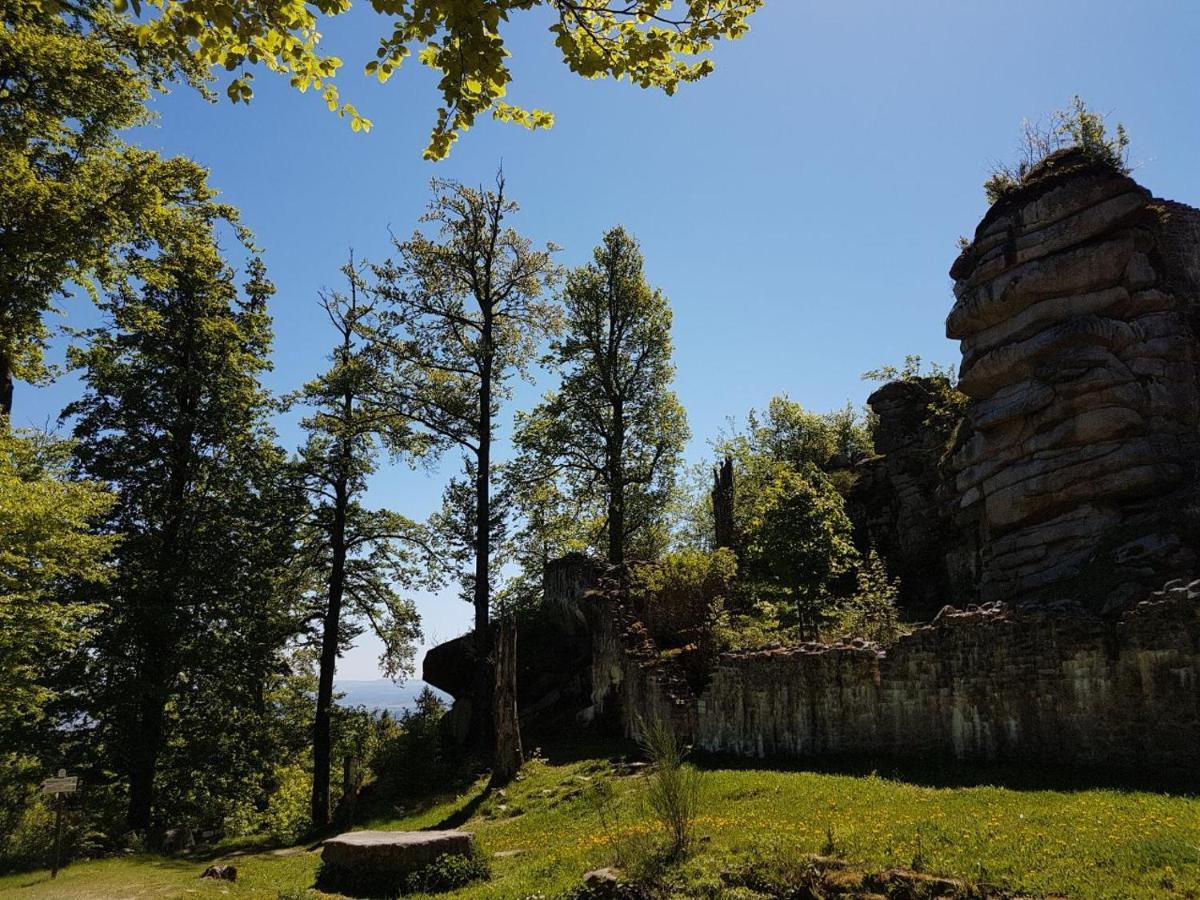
(799,207)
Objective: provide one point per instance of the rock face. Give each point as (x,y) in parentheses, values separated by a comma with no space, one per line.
(399,852)
(1078,311)
(901,504)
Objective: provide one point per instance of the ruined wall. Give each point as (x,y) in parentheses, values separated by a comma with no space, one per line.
(1076,307)
(1055,686)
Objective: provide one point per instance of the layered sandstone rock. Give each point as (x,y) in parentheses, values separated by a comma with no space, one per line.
(1077,309)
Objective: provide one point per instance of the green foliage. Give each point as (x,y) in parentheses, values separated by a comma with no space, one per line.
(461,40)
(73,195)
(764,623)
(448,873)
(947,404)
(202,607)
(682,592)
(611,436)
(796,535)
(871,612)
(674,791)
(461,314)
(411,759)
(1074,126)
(48,551)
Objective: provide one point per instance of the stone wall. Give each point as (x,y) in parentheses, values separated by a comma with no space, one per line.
(1055,685)
(1077,309)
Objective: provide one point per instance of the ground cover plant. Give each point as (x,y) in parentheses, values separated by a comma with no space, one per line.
(1088,842)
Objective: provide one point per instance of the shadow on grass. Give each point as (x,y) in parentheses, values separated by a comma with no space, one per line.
(463,814)
(950,773)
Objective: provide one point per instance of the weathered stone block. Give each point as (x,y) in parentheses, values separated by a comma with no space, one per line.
(399,852)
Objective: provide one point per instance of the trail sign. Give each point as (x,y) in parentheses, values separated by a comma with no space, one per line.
(60,784)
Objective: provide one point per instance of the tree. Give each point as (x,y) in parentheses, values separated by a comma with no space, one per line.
(460,39)
(797,537)
(463,314)
(362,555)
(48,550)
(613,431)
(174,420)
(73,196)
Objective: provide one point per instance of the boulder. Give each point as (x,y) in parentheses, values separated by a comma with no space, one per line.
(220,873)
(395,852)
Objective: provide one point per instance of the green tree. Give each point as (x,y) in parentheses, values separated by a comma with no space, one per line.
(796,536)
(175,421)
(73,195)
(464,313)
(614,431)
(643,40)
(364,556)
(50,559)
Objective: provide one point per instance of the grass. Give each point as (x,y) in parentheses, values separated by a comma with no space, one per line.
(1089,843)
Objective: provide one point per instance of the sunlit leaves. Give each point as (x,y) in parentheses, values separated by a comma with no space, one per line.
(643,41)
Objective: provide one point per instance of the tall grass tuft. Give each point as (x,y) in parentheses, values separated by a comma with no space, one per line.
(674,791)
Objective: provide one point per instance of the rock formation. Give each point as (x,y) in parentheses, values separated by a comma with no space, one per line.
(900,503)
(1078,309)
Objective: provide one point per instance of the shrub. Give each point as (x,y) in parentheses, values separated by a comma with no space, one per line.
(673,793)
(412,760)
(871,613)
(681,594)
(1075,126)
(447,873)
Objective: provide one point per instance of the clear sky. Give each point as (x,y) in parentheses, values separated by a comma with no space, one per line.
(799,207)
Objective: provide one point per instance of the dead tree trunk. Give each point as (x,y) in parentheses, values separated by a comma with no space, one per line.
(722,504)
(508,757)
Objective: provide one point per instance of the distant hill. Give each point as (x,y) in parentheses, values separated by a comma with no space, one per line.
(381,694)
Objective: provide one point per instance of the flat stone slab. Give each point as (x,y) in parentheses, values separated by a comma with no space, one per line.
(398,851)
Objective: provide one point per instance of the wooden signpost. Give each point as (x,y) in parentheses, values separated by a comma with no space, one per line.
(60,784)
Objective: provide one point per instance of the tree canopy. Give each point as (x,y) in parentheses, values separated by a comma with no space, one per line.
(613,432)
(644,41)
(73,195)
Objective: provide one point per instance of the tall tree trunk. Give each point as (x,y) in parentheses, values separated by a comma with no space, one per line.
(329,653)
(508,753)
(482,700)
(616,496)
(143,762)
(6,386)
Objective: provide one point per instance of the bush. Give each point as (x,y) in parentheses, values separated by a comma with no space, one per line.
(681,594)
(673,792)
(447,873)
(1075,126)
(284,815)
(871,613)
(412,760)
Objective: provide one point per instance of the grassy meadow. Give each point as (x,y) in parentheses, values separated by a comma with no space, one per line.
(568,816)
